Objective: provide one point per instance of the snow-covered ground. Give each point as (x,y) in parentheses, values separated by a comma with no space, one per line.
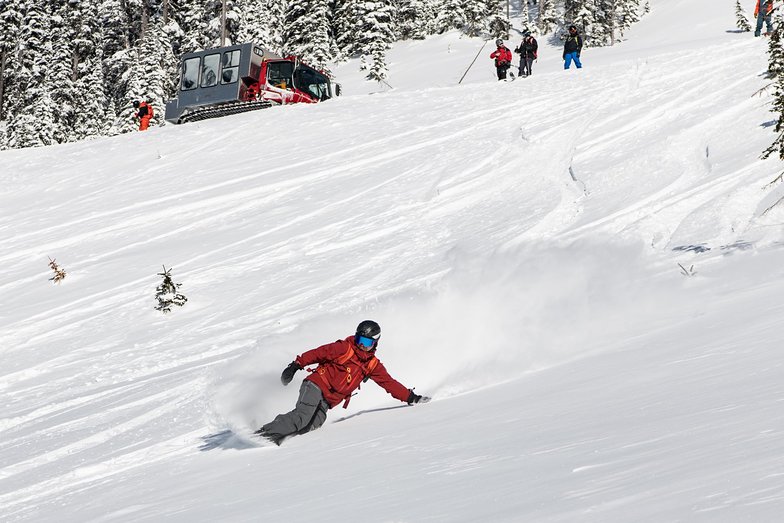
(519,244)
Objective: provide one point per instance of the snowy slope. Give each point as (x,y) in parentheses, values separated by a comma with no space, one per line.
(518,242)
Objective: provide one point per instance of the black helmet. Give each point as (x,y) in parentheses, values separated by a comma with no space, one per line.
(370,330)
(136,104)
(499,42)
(572,28)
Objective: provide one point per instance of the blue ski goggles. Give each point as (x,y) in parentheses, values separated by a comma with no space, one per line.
(365,342)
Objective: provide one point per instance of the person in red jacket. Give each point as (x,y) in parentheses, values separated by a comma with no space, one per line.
(764,13)
(342,367)
(144,113)
(503,59)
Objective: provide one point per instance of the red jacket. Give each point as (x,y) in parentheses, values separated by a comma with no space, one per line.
(768,10)
(338,380)
(502,55)
(145,111)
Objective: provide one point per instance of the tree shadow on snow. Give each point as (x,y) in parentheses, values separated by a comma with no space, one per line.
(370,411)
(767,124)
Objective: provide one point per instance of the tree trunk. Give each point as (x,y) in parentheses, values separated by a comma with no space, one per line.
(3,59)
(145,20)
(74,65)
(223,23)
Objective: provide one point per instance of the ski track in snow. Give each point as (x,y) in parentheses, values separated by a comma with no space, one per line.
(97,386)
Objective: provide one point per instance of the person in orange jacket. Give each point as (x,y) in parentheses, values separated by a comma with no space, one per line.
(342,367)
(764,13)
(503,59)
(144,113)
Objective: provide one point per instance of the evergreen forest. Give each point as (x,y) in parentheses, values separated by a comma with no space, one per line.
(71,69)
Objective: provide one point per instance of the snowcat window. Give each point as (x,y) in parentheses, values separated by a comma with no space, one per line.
(209,72)
(312,82)
(279,73)
(231,67)
(190,73)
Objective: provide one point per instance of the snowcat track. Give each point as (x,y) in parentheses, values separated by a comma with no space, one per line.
(223,110)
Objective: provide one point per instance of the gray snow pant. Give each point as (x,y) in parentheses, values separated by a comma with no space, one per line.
(309,414)
(525,65)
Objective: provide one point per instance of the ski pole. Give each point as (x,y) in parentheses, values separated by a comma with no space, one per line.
(472,63)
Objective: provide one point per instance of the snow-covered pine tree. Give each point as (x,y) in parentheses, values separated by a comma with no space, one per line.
(30,119)
(10,18)
(214,29)
(525,17)
(120,31)
(627,14)
(193,17)
(476,13)
(415,19)
(61,78)
(153,74)
(451,15)
(88,71)
(167,293)
(548,18)
(498,24)
(585,20)
(605,22)
(740,18)
(570,11)
(115,26)
(306,32)
(262,21)
(366,29)
(776,73)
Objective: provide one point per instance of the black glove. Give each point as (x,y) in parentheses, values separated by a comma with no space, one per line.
(416,398)
(288,372)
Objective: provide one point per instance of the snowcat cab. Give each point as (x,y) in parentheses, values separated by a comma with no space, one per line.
(240,78)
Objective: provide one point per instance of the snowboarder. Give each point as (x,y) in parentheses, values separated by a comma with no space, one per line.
(503,59)
(764,13)
(528,51)
(144,113)
(342,367)
(572,48)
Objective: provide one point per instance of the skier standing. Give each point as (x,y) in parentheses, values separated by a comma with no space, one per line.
(144,113)
(764,13)
(503,59)
(342,367)
(572,48)
(528,51)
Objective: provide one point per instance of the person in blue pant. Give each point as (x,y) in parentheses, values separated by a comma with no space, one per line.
(764,13)
(572,48)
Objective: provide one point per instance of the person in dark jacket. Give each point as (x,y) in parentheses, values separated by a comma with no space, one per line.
(572,48)
(144,113)
(342,367)
(503,59)
(528,51)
